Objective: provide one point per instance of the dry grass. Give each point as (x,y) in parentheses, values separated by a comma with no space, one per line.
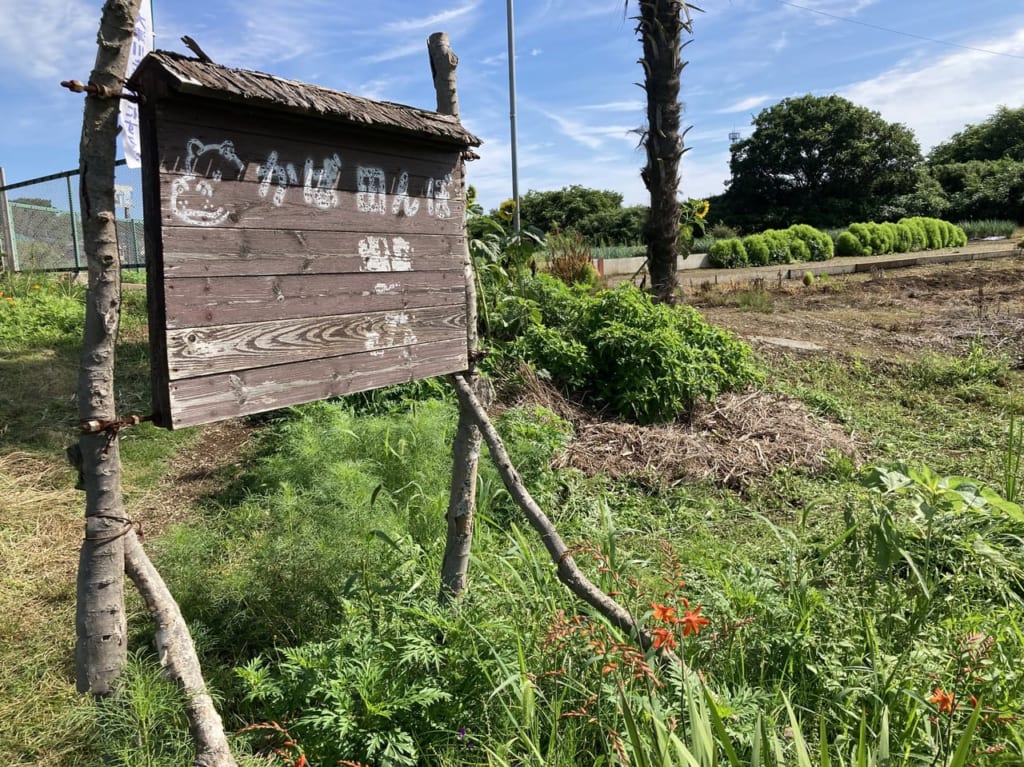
(39,537)
(734,439)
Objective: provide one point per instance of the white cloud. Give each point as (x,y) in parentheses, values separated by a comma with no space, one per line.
(48,39)
(617,106)
(746,104)
(937,99)
(435,20)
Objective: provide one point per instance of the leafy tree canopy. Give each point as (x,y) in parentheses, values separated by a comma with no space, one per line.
(999,137)
(820,160)
(596,214)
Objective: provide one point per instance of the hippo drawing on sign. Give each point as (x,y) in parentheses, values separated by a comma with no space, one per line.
(193,195)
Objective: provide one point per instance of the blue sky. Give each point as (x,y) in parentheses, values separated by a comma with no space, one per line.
(576,71)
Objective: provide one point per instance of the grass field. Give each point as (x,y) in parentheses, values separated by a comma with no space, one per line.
(863,600)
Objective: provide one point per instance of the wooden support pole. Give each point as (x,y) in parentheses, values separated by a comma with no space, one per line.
(567,569)
(178,657)
(102,644)
(466,447)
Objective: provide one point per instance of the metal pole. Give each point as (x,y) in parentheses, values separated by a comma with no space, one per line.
(76,244)
(7,224)
(512,117)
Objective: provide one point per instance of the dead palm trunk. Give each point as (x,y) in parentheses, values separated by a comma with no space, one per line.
(660,25)
(101,647)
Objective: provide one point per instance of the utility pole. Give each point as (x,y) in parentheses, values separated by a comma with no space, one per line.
(512,115)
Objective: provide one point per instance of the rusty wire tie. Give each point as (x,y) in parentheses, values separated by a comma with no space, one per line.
(129,525)
(97,425)
(101,91)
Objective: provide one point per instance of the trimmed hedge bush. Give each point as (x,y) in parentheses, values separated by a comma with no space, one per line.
(906,235)
(801,242)
(727,254)
(819,245)
(757,249)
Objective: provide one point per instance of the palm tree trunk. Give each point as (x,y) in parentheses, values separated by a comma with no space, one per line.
(660,25)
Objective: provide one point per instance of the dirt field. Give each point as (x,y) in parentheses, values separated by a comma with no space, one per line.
(887,314)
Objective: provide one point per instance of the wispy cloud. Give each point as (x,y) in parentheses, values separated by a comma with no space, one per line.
(972,84)
(49,39)
(616,106)
(746,104)
(434,20)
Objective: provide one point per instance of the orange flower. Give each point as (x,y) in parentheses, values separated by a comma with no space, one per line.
(663,638)
(692,621)
(609,668)
(664,613)
(944,700)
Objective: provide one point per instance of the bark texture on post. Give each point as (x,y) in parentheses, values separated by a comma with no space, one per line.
(466,447)
(101,646)
(660,25)
(567,569)
(443,62)
(178,657)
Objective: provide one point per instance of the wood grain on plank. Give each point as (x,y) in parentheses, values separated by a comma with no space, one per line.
(228,348)
(202,302)
(193,251)
(229,395)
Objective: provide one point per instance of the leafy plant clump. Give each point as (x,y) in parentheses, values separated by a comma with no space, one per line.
(649,362)
(905,236)
(728,253)
(36,309)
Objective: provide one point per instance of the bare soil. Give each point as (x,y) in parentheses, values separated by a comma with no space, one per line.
(885,315)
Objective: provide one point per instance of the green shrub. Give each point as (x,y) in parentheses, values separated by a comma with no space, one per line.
(757,249)
(779,251)
(553,351)
(847,244)
(918,234)
(729,253)
(36,309)
(819,245)
(654,362)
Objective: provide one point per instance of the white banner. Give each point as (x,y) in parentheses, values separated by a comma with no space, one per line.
(142,43)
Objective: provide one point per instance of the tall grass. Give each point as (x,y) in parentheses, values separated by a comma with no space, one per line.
(977,230)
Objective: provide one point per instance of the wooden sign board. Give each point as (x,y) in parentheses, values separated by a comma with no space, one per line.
(301,243)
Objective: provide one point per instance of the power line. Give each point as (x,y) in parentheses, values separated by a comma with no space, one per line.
(899,32)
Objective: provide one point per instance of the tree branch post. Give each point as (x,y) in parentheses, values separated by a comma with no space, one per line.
(466,446)
(101,645)
(178,657)
(568,571)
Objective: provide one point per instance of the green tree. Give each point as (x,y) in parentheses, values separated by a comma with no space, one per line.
(819,160)
(565,208)
(980,189)
(999,137)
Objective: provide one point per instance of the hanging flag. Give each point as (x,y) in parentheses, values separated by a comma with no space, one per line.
(142,43)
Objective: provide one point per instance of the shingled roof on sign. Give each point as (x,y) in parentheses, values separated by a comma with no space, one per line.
(190,76)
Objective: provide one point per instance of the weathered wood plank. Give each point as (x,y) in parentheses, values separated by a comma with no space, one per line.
(199,201)
(229,395)
(254,139)
(203,302)
(229,348)
(193,251)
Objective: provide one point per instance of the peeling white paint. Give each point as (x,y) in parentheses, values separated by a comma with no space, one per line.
(403,204)
(384,254)
(319,185)
(371,190)
(285,175)
(192,195)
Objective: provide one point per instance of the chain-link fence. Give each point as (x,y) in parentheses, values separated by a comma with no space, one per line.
(41,224)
